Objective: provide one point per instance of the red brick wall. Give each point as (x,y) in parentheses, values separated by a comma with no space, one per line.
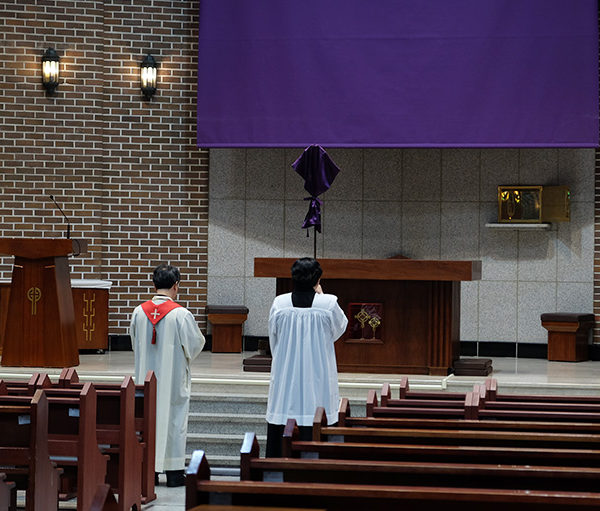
(126,171)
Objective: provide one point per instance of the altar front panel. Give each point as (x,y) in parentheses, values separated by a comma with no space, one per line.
(419,325)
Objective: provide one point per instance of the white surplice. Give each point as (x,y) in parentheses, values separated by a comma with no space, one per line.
(303,369)
(178,342)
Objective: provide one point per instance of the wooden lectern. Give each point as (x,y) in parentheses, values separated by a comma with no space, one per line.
(40,329)
(403,314)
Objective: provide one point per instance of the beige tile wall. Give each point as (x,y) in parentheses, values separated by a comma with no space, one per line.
(422,203)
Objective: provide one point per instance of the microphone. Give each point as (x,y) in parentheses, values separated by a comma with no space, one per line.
(63,214)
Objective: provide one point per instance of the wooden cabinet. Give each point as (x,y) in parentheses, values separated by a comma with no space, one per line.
(90,300)
(90,303)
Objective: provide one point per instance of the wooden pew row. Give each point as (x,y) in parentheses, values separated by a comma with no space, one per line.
(145,421)
(489,399)
(8,494)
(573,457)
(475,407)
(345,419)
(405,392)
(342,497)
(454,410)
(412,473)
(24,453)
(452,437)
(116,436)
(490,393)
(22,385)
(71,442)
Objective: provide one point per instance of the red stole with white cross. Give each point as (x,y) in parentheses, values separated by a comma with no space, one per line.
(156,312)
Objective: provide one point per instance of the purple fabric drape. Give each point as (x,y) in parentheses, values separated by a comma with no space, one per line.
(398,73)
(318,171)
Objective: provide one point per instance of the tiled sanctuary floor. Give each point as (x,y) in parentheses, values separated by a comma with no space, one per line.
(564,377)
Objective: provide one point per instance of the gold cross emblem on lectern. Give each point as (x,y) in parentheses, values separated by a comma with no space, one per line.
(34,295)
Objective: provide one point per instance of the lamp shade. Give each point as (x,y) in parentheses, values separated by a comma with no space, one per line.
(50,70)
(148,76)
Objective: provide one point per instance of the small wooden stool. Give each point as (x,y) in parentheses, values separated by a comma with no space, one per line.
(567,335)
(226,321)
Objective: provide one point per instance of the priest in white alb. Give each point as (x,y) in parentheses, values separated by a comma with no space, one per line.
(303,326)
(165,338)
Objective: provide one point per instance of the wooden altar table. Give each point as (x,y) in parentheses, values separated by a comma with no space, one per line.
(404,314)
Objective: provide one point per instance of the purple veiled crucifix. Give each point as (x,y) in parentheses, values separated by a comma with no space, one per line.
(318,171)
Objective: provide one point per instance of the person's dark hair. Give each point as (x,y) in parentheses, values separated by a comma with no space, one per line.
(165,276)
(306,272)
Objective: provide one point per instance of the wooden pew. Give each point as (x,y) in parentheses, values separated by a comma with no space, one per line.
(342,497)
(345,419)
(490,393)
(477,409)
(116,436)
(450,409)
(22,385)
(24,453)
(145,421)
(476,406)
(405,392)
(72,443)
(8,494)
(573,457)
(452,437)
(427,473)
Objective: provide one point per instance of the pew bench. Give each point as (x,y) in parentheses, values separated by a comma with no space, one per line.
(24,453)
(321,432)
(573,457)
(454,410)
(476,406)
(426,473)
(404,391)
(115,434)
(145,421)
(341,497)
(345,419)
(71,442)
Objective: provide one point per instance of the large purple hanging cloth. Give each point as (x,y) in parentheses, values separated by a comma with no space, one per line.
(398,73)
(318,171)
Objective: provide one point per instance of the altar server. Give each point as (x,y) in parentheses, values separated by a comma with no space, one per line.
(303,326)
(165,338)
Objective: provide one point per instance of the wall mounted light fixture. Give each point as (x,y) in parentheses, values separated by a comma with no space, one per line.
(50,70)
(148,76)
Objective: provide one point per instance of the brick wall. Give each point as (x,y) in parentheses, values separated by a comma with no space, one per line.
(125,170)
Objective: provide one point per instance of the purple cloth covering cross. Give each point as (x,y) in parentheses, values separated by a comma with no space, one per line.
(318,171)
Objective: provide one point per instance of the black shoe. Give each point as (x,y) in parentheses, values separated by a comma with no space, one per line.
(155,478)
(175,478)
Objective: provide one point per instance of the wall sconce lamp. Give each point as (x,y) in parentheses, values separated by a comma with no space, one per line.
(148,76)
(50,70)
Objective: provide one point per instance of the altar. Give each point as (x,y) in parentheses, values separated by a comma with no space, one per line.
(403,314)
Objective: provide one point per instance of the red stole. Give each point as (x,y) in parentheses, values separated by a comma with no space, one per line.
(156,312)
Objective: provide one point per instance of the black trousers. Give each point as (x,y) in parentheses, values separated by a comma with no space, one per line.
(274,435)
